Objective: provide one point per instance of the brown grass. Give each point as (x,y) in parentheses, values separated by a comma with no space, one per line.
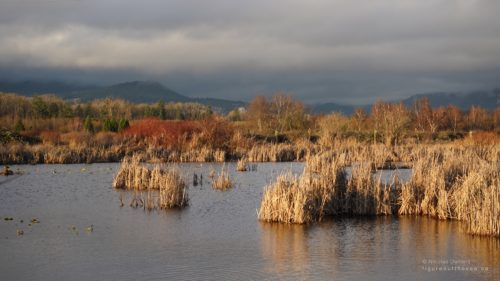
(366,195)
(448,182)
(222,181)
(134,176)
(241,165)
(305,199)
(286,201)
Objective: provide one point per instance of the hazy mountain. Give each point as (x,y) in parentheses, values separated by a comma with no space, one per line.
(135,91)
(333,107)
(489,100)
(486,99)
(151,92)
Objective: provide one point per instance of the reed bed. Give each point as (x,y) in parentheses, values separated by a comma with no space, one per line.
(366,195)
(305,198)
(279,152)
(286,201)
(462,186)
(146,183)
(222,181)
(447,182)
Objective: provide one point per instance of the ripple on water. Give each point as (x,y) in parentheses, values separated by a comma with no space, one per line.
(217,237)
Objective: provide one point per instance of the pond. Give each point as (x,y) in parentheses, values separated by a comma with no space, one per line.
(84,234)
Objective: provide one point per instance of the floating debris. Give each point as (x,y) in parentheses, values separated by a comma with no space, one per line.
(7,171)
(35,220)
(90,228)
(19,232)
(74,229)
(8,219)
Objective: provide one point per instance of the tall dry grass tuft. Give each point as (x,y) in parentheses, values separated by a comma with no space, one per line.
(134,176)
(242,165)
(476,200)
(366,195)
(286,201)
(459,183)
(278,152)
(306,198)
(222,181)
(172,189)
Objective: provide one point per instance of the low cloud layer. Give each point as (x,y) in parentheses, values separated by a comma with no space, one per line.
(349,51)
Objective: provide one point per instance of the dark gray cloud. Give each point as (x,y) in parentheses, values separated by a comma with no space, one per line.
(349,51)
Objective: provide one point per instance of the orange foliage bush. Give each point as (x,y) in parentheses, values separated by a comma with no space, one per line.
(160,132)
(216,132)
(485,137)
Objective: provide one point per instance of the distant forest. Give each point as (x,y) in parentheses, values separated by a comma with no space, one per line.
(279,115)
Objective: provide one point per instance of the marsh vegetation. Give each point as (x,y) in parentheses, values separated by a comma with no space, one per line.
(453,153)
(447,182)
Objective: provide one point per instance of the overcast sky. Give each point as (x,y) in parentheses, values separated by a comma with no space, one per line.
(347,51)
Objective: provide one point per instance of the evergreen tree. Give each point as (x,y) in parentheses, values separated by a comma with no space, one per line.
(161,110)
(123,124)
(110,125)
(19,126)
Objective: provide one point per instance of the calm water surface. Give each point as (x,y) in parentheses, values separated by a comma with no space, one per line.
(216,238)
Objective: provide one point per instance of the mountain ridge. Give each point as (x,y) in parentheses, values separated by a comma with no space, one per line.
(132,91)
(151,92)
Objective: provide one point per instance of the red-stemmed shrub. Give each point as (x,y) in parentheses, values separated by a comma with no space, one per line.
(173,134)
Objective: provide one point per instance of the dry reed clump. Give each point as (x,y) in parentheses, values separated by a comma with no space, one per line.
(242,165)
(455,183)
(286,201)
(172,190)
(277,153)
(427,191)
(222,181)
(306,198)
(448,182)
(366,195)
(476,200)
(134,176)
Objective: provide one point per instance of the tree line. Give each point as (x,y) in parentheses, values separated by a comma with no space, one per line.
(277,116)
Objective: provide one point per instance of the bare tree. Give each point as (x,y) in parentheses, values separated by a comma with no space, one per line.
(259,113)
(454,116)
(391,119)
(288,114)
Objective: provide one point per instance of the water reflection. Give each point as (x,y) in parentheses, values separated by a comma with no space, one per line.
(284,247)
(376,248)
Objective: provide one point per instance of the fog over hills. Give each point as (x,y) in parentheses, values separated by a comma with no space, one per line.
(151,92)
